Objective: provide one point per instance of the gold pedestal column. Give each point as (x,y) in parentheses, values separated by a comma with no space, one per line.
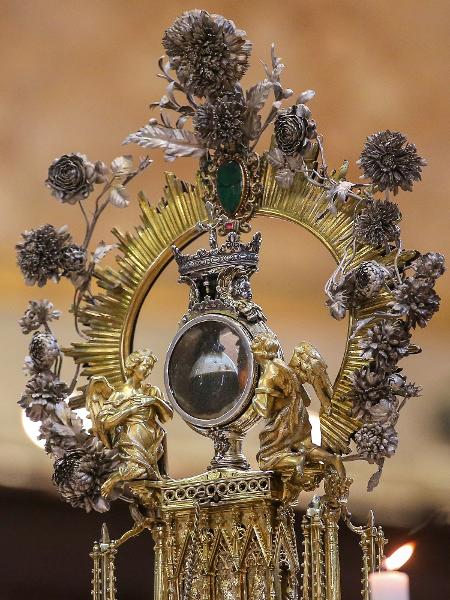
(227,536)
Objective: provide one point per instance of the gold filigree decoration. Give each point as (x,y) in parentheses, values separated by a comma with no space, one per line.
(111,321)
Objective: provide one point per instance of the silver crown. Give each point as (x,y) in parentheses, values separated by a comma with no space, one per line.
(219,277)
(232,253)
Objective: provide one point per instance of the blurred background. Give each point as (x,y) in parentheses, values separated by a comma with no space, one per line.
(78,76)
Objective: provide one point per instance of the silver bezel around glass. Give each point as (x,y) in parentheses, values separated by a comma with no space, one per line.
(243,400)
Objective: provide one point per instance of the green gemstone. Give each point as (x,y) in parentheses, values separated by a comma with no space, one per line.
(230,185)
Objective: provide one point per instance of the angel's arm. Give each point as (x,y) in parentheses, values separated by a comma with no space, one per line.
(163,409)
(111,419)
(263,402)
(271,385)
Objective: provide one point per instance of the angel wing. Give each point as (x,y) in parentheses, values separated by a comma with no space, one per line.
(97,395)
(311,368)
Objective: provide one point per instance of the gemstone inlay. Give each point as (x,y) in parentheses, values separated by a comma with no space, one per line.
(230,185)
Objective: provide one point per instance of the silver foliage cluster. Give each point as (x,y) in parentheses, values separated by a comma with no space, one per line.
(207,58)
(347,290)
(379,389)
(45,400)
(49,253)
(415,298)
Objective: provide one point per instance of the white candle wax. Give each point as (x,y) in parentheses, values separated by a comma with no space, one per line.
(389,585)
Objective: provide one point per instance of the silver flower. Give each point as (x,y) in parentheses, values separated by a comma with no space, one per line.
(43,350)
(42,392)
(39,255)
(369,278)
(416,300)
(338,191)
(369,388)
(73,258)
(207,52)
(71,177)
(430,265)
(375,442)
(294,129)
(381,412)
(390,162)
(377,223)
(385,344)
(351,289)
(400,386)
(62,430)
(38,313)
(221,122)
(80,472)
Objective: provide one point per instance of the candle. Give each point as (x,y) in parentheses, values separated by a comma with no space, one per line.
(389,585)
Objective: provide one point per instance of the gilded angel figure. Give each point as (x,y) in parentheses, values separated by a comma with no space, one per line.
(281,399)
(127,417)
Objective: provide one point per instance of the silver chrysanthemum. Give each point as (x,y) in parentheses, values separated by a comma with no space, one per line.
(62,430)
(429,266)
(73,258)
(42,392)
(80,472)
(390,162)
(374,442)
(416,299)
(385,344)
(294,129)
(39,255)
(221,122)
(71,177)
(43,350)
(370,389)
(207,52)
(38,313)
(377,223)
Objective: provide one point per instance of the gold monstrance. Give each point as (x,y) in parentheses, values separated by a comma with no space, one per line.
(228,533)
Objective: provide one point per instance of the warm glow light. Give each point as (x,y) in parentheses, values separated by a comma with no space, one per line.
(316,434)
(398,558)
(31,428)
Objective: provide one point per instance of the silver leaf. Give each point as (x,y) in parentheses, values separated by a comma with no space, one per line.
(119,197)
(276,158)
(285,178)
(122,165)
(295,162)
(101,251)
(306,96)
(174,142)
(257,95)
(375,478)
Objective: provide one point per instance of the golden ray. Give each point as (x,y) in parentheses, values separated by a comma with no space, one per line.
(111,321)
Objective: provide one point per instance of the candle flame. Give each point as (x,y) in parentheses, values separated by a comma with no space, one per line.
(398,558)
